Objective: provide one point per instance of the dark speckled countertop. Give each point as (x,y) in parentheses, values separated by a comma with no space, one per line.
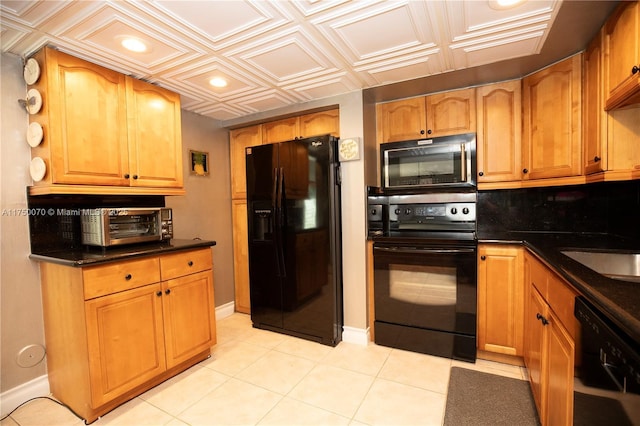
(618,300)
(94,255)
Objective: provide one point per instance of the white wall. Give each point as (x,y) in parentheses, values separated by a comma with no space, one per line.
(205,211)
(20,297)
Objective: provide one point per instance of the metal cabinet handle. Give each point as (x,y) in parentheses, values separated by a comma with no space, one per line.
(525,171)
(596,159)
(190,263)
(429,132)
(167,291)
(542,318)
(635,69)
(483,257)
(481,174)
(158,293)
(126,176)
(128,277)
(422,132)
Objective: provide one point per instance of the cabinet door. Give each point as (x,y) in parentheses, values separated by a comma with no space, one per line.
(239,140)
(535,348)
(451,113)
(241,256)
(594,117)
(125,341)
(401,120)
(622,44)
(155,135)
(552,145)
(560,353)
(87,110)
(320,123)
(280,131)
(500,299)
(499,132)
(189,316)
(623,147)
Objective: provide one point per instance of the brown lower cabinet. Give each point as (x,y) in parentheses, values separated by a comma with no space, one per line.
(550,335)
(500,302)
(117,329)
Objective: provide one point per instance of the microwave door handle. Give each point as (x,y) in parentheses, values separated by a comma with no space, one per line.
(463,162)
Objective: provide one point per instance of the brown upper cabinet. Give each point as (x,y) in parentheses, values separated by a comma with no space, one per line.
(442,114)
(552,134)
(239,140)
(594,118)
(499,132)
(622,57)
(303,126)
(155,135)
(105,129)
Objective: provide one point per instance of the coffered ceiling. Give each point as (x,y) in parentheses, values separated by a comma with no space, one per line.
(278,53)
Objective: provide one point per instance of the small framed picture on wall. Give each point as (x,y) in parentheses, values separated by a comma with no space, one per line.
(199,163)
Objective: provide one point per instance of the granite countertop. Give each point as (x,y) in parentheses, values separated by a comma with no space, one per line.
(618,300)
(89,256)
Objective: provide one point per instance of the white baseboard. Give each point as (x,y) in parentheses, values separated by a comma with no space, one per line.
(358,336)
(225,310)
(12,398)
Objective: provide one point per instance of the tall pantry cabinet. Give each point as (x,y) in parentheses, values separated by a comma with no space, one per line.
(306,125)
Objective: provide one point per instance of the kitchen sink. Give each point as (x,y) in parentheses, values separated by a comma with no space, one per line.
(617,265)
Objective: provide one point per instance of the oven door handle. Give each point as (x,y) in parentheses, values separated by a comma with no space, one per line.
(403,250)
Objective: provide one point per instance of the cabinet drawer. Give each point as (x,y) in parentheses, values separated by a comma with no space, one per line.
(539,277)
(119,276)
(561,299)
(184,263)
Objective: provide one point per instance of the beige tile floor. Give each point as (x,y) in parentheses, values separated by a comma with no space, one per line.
(257,377)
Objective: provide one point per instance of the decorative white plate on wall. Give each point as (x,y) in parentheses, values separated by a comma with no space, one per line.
(31,71)
(34,134)
(34,107)
(37,169)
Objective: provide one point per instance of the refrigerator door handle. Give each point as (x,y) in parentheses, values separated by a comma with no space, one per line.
(280,188)
(281,224)
(274,192)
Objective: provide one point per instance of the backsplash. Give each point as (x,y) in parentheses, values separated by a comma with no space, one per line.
(607,207)
(54,220)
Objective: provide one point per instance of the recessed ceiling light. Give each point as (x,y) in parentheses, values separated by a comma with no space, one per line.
(504,4)
(218,82)
(134,44)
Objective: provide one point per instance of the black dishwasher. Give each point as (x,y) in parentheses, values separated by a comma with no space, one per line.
(608,389)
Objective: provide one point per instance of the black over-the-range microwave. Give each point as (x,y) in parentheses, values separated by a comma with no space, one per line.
(447,161)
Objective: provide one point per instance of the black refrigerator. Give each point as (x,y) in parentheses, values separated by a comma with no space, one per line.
(295,260)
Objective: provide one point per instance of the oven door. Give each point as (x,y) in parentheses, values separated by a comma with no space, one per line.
(427,293)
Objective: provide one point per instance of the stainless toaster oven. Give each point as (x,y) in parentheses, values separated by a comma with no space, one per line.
(106,227)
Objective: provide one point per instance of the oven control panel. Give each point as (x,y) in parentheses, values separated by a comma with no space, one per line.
(420,215)
(423,213)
